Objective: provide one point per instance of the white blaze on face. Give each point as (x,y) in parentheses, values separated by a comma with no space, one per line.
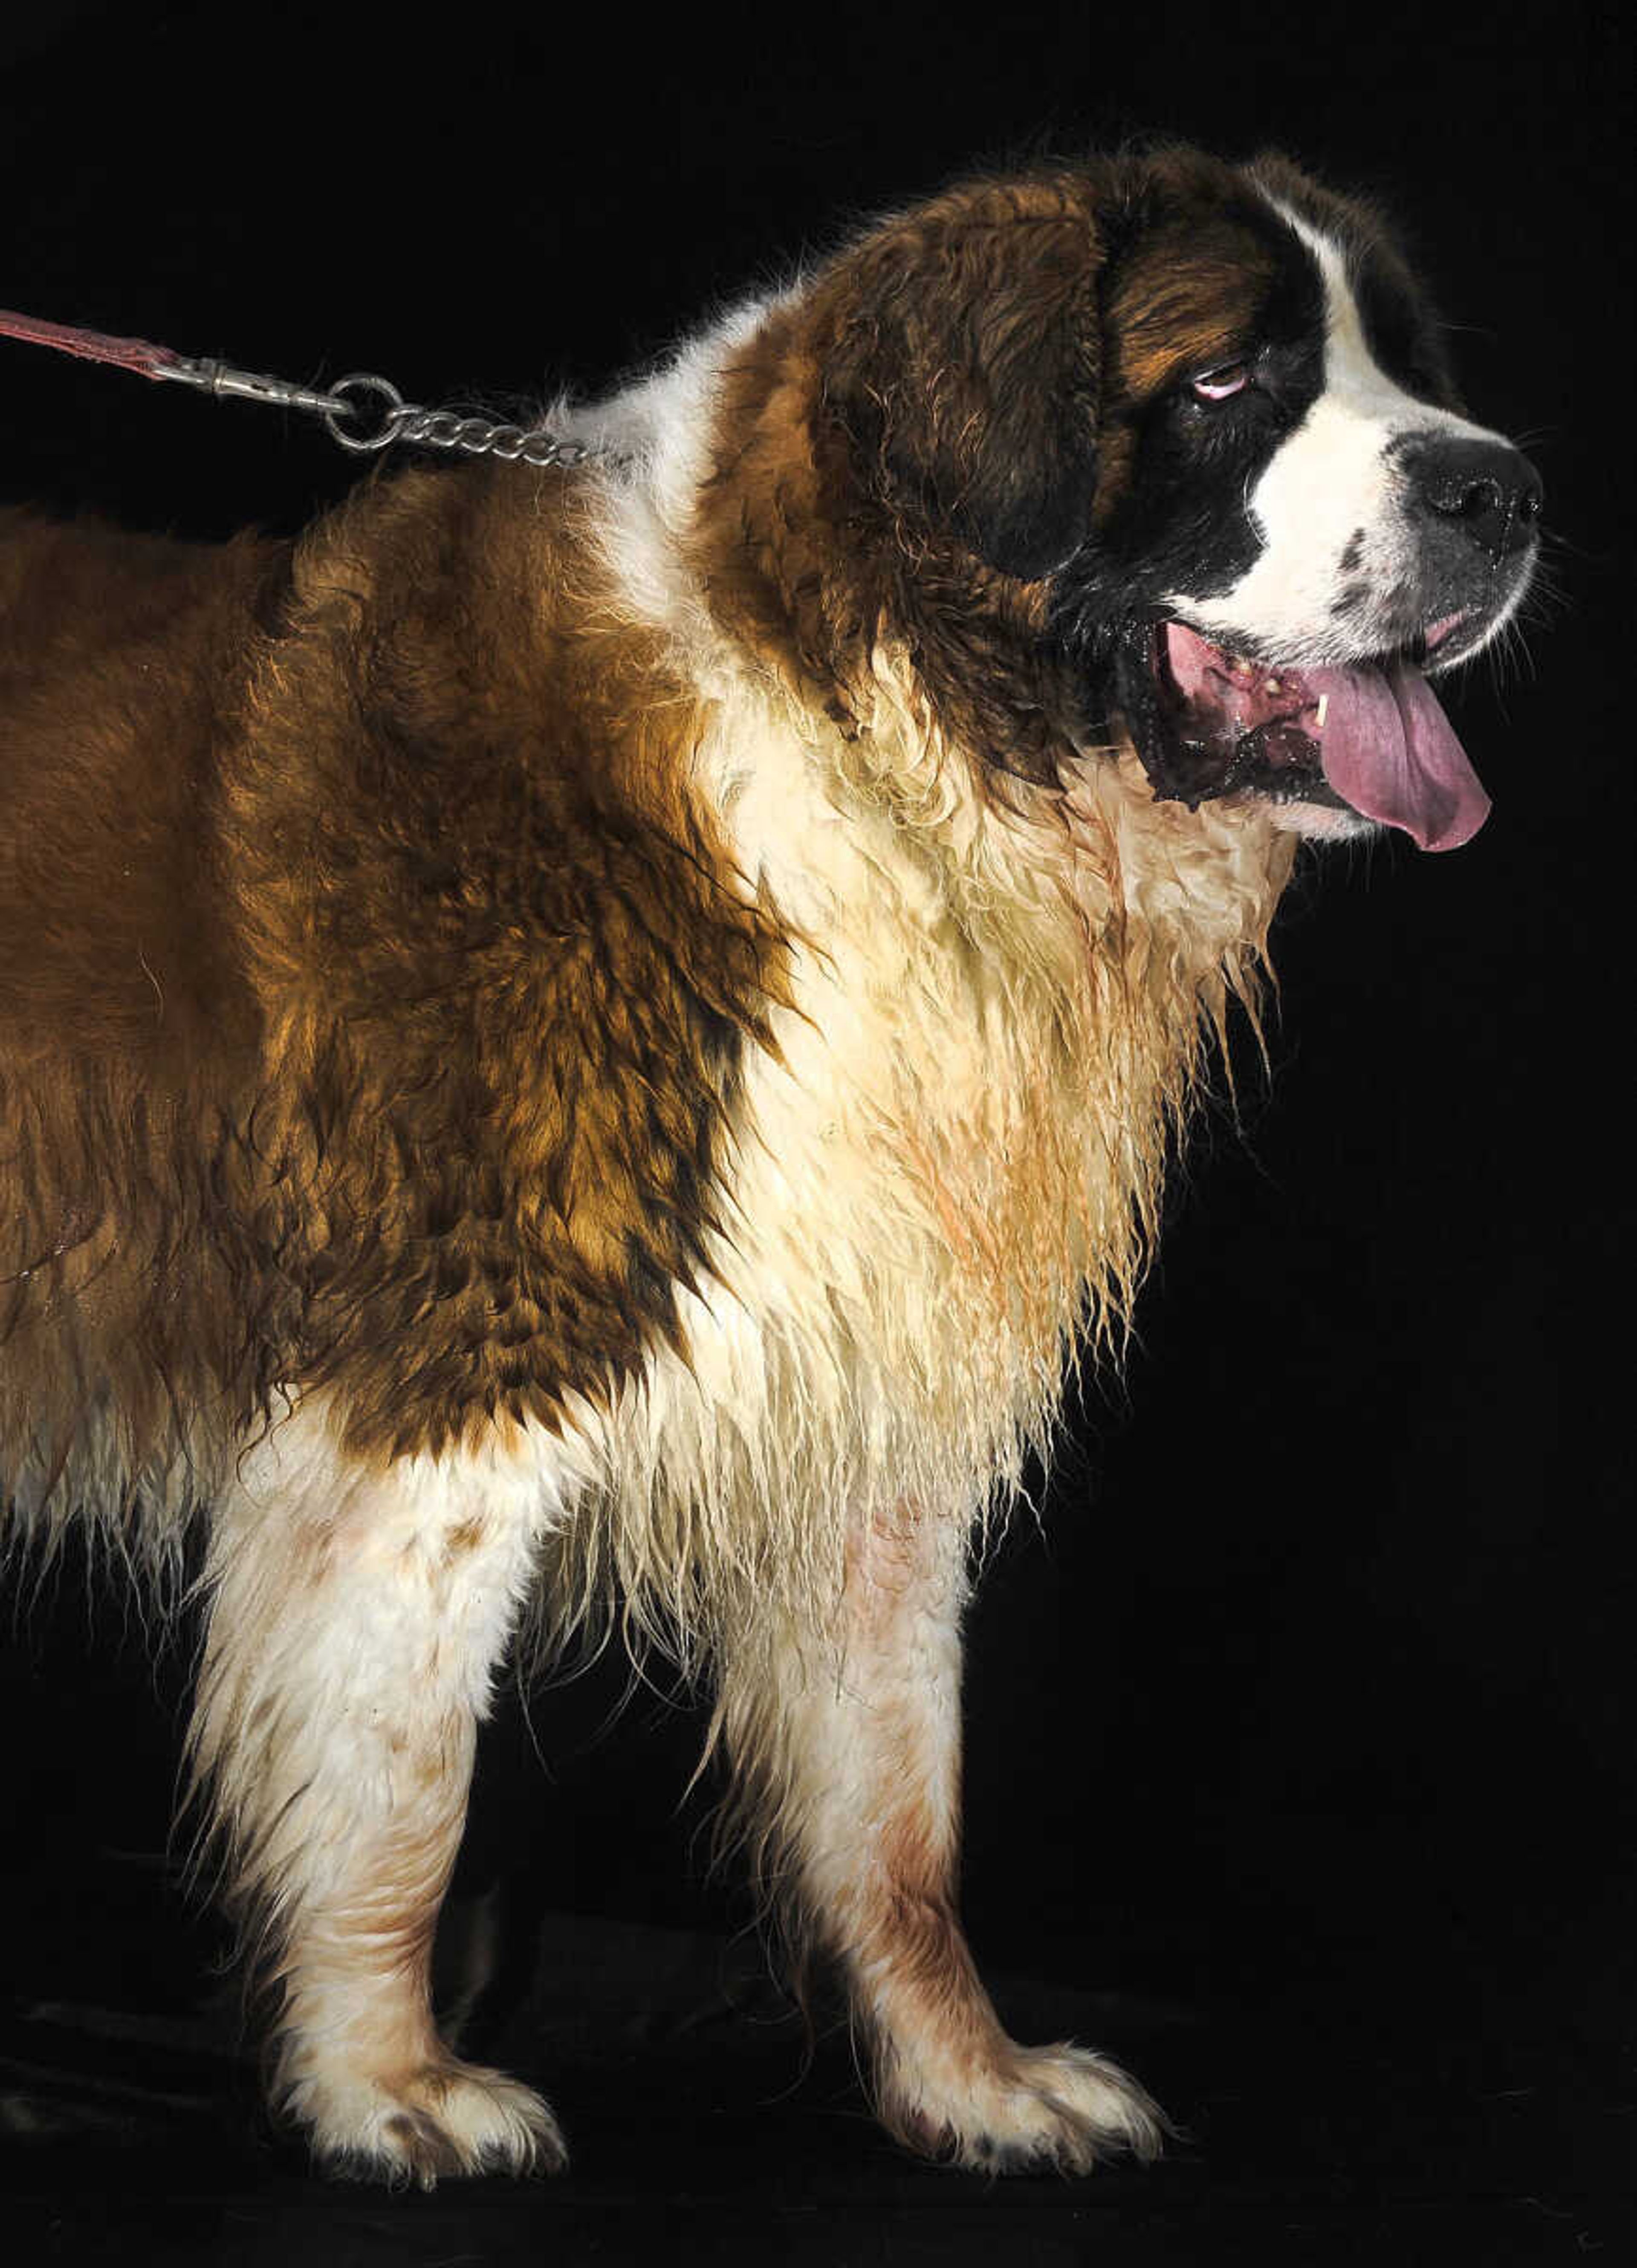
(1330,505)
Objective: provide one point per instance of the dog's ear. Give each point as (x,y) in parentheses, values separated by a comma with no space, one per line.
(965,372)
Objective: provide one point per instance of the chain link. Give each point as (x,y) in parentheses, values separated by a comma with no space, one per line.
(475,437)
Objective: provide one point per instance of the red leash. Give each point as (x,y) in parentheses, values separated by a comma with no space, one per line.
(336,404)
(140,355)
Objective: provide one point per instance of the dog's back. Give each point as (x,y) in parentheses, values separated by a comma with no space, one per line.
(126,1026)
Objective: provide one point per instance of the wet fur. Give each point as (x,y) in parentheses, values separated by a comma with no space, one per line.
(600,1037)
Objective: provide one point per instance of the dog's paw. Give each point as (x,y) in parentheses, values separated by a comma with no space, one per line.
(1026,2110)
(445,2120)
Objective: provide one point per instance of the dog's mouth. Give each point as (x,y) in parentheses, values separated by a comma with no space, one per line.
(1209,721)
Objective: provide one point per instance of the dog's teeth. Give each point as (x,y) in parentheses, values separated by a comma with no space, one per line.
(1272,686)
(1323,705)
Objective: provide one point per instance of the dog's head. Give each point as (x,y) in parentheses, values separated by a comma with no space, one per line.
(1203,415)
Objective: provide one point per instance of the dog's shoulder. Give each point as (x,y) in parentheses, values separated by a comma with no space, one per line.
(384,839)
(496,941)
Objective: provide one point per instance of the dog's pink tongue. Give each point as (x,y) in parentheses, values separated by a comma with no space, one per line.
(1388,750)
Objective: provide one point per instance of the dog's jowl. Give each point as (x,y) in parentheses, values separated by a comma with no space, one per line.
(598,1035)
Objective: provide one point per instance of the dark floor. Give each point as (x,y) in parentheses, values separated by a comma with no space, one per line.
(1376,2108)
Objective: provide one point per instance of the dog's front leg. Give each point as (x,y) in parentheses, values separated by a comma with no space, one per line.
(356,1617)
(852,1761)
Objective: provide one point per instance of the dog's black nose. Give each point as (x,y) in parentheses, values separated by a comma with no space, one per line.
(1486,489)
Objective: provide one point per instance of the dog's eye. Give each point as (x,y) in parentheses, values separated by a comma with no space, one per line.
(1218,385)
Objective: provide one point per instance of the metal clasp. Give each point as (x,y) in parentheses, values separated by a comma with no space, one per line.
(220,378)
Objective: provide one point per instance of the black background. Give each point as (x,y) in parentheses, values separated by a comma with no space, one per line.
(1315,1696)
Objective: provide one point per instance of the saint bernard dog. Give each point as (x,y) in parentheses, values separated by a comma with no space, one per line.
(591,1041)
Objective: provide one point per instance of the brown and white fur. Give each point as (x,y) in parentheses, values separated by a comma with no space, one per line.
(603,1035)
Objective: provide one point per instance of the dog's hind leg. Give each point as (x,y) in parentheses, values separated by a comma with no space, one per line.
(357,1616)
(850,1761)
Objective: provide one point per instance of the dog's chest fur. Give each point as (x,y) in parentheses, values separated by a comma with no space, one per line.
(947,1162)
